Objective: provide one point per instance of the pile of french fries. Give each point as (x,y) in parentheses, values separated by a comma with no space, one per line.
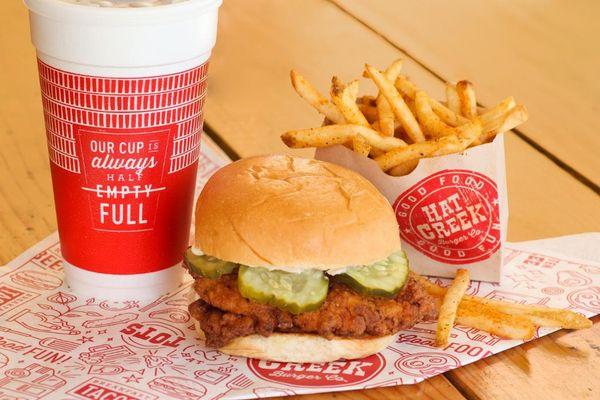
(503,319)
(402,123)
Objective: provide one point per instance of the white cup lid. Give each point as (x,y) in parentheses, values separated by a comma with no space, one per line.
(123,37)
(65,10)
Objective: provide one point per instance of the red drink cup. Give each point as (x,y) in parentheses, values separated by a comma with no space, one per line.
(123,91)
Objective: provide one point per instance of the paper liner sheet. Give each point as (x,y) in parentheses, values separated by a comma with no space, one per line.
(58,345)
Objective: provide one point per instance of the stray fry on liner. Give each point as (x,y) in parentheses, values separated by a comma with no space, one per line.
(402,123)
(507,320)
(449,306)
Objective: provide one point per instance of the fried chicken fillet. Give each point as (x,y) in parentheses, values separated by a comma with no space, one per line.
(225,315)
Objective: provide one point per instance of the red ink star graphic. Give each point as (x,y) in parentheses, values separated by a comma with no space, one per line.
(132,378)
(85,339)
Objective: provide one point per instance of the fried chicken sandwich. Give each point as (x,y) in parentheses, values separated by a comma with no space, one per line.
(299,260)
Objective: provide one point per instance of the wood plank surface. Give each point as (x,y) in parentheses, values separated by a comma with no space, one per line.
(250,103)
(26,203)
(545,53)
(431,389)
(560,366)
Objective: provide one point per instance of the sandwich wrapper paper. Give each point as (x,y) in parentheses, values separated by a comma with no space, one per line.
(55,344)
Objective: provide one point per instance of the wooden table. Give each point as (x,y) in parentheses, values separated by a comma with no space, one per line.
(545,53)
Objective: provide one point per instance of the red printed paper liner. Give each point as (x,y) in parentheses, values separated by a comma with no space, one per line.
(55,344)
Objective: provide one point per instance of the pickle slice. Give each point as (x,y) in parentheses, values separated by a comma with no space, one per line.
(207,266)
(296,293)
(383,279)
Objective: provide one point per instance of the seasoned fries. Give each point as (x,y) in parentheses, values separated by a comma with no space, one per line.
(462,137)
(489,319)
(316,99)
(401,124)
(360,145)
(384,110)
(339,134)
(449,306)
(452,100)
(432,124)
(344,97)
(401,110)
(507,320)
(466,97)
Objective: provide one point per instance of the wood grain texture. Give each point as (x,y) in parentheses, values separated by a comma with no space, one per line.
(26,205)
(430,389)
(251,101)
(545,53)
(560,366)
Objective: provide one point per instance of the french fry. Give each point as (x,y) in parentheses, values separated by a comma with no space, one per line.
(401,110)
(455,143)
(385,115)
(497,111)
(344,97)
(370,112)
(409,89)
(469,133)
(449,306)
(466,96)
(384,110)
(378,126)
(312,96)
(406,87)
(452,100)
(513,118)
(339,134)
(360,146)
(393,70)
(366,100)
(489,319)
(432,124)
(411,106)
(404,168)
(537,315)
(415,151)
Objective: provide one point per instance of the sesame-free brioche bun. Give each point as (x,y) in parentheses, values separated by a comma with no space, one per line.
(301,347)
(293,213)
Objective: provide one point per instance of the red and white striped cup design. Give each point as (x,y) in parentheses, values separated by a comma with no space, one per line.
(123,155)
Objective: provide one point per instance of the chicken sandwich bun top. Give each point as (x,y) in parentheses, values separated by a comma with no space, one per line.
(299,260)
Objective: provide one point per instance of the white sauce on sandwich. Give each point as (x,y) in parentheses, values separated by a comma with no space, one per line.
(297,270)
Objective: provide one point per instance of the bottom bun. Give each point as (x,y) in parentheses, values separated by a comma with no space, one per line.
(302,348)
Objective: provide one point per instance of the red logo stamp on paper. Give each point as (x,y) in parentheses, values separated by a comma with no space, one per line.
(96,388)
(452,216)
(426,364)
(152,335)
(333,374)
